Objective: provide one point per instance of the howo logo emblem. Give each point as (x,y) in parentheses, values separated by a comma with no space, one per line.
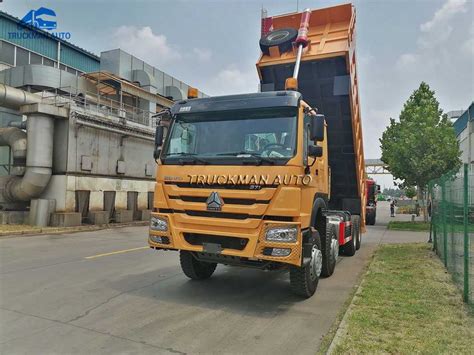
(214,202)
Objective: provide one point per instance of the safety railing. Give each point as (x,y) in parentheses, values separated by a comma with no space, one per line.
(96,103)
(452,226)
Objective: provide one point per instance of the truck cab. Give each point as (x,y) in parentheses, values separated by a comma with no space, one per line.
(244,180)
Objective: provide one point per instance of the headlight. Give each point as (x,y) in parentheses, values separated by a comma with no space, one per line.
(158,224)
(282,234)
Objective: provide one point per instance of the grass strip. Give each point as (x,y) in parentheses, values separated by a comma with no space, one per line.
(409,226)
(408,304)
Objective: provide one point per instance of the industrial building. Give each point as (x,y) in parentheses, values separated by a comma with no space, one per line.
(76,130)
(464,128)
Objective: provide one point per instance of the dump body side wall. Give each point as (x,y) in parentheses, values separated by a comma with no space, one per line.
(328,81)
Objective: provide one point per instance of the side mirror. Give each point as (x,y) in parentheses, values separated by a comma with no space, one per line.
(158,141)
(317,128)
(315,151)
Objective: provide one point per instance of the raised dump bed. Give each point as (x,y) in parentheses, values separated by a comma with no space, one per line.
(328,81)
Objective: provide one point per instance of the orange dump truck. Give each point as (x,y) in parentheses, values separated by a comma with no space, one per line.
(270,180)
(372,189)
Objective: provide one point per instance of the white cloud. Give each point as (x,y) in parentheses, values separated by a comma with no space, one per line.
(468,45)
(203,54)
(436,46)
(146,45)
(406,60)
(233,80)
(439,28)
(444,14)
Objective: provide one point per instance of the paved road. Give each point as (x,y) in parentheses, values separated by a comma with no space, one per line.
(68,294)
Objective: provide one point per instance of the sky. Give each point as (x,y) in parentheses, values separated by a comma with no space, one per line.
(213,45)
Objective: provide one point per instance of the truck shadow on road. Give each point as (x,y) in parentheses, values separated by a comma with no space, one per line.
(233,289)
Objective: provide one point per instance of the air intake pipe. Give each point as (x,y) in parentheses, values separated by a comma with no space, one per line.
(15,138)
(13,98)
(39,161)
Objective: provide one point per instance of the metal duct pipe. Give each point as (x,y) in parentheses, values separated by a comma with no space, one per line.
(13,98)
(15,138)
(20,125)
(39,161)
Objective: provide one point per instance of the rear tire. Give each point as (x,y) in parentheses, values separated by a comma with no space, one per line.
(304,280)
(356,230)
(193,268)
(349,249)
(329,248)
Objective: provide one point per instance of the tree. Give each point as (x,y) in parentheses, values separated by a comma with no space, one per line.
(422,145)
(410,192)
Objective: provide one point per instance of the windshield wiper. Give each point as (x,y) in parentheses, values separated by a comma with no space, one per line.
(193,157)
(245,154)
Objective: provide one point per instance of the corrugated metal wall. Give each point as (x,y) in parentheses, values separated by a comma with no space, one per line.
(77,60)
(48,47)
(27,38)
(461,122)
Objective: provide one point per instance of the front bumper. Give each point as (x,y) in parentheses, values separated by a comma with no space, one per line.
(187,233)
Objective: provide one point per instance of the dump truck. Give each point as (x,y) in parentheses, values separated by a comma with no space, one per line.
(275,179)
(371,189)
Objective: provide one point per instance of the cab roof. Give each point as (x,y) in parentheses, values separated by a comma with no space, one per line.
(238,102)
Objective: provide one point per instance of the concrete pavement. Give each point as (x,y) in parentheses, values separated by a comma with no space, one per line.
(54,298)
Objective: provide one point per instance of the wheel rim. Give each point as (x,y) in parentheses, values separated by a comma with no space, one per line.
(316,263)
(334,248)
(278,35)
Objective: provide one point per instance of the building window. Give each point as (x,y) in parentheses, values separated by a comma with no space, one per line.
(35,59)
(7,53)
(22,57)
(48,62)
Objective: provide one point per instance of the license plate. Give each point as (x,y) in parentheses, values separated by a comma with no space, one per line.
(212,248)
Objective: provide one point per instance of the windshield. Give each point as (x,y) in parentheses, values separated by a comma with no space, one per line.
(231,138)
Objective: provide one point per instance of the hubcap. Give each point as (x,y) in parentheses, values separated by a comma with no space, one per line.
(316,263)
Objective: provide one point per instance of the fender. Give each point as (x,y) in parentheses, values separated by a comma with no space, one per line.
(319,203)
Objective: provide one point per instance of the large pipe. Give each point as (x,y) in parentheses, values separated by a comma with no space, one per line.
(14,98)
(15,138)
(39,161)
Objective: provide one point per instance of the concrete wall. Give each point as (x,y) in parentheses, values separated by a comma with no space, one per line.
(62,188)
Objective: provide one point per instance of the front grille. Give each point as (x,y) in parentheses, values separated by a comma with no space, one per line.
(225,242)
(212,214)
(228,200)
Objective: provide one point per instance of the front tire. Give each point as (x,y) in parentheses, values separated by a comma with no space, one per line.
(304,280)
(370,220)
(193,268)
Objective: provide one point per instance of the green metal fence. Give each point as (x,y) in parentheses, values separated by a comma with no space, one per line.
(452,226)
